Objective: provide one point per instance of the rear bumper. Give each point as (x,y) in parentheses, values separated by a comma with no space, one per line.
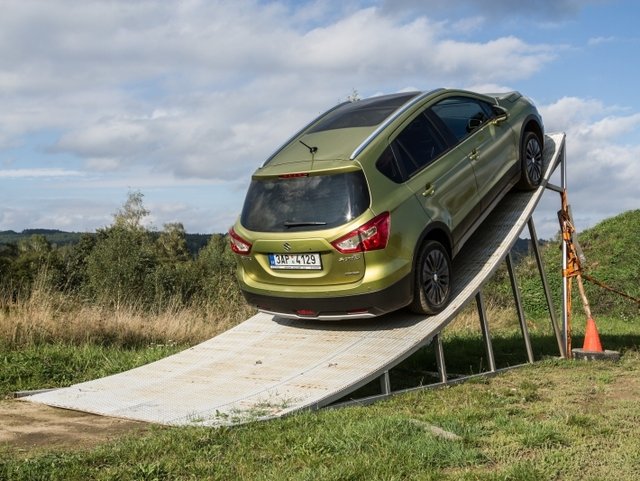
(358,306)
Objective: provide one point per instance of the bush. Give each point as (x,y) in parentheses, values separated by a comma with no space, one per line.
(120,267)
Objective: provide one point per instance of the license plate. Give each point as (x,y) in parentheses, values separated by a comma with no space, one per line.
(309,261)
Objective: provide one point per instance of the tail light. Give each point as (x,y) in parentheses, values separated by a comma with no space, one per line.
(238,244)
(369,237)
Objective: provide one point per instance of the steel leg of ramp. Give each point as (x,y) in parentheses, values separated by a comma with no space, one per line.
(485,331)
(566,286)
(442,368)
(385,383)
(521,318)
(545,286)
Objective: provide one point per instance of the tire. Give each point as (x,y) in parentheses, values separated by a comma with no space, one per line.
(531,162)
(432,279)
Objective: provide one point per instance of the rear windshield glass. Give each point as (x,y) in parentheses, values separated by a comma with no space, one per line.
(304,203)
(362,113)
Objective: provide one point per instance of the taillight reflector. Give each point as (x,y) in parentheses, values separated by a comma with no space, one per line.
(238,244)
(371,236)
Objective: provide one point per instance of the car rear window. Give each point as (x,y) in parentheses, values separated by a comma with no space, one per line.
(304,203)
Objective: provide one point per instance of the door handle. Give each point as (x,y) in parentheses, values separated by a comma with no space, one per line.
(429,190)
(474,154)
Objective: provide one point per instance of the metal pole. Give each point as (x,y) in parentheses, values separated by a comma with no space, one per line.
(385,383)
(516,297)
(442,368)
(545,286)
(565,281)
(484,325)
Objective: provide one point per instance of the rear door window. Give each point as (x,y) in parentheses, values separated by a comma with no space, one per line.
(414,148)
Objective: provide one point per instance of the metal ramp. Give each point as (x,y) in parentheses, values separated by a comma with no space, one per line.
(267,366)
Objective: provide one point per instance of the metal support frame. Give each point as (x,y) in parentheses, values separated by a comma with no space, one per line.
(545,286)
(516,296)
(565,282)
(385,383)
(440,361)
(486,335)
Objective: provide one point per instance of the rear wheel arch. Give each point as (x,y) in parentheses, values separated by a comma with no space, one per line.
(432,272)
(531,124)
(437,231)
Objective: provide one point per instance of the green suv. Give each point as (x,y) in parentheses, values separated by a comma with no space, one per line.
(361,212)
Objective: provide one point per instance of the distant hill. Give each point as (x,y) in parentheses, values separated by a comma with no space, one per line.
(611,257)
(59,238)
(54,236)
(195,242)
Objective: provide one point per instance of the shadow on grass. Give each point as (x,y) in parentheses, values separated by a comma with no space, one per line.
(467,356)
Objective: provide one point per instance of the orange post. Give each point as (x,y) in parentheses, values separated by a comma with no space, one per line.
(592,347)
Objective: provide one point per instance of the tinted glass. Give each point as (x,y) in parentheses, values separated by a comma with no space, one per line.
(462,115)
(304,203)
(389,167)
(417,145)
(362,113)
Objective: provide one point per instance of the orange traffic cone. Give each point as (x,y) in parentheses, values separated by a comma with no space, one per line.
(591,337)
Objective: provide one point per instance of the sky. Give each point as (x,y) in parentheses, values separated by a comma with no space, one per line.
(183,100)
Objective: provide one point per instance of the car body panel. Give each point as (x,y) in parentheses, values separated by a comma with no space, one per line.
(332,146)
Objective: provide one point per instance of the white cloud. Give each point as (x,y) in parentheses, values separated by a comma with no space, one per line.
(209,89)
(600,40)
(196,94)
(38,173)
(603,173)
(73,214)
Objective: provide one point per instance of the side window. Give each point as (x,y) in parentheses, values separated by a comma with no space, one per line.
(417,146)
(389,167)
(463,115)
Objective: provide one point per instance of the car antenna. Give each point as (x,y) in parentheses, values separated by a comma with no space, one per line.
(313,150)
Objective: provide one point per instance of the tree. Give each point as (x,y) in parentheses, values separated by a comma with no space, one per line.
(36,261)
(132,213)
(172,243)
(123,258)
(75,259)
(354,96)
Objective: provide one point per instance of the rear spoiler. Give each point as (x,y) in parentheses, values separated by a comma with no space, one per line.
(508,96)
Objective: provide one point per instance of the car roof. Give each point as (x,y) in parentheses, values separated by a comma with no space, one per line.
(343,132)
(362,113)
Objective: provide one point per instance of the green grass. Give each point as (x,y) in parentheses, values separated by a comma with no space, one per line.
(553,420)
(44,366)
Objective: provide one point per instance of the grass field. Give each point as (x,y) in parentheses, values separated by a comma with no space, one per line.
(552,420)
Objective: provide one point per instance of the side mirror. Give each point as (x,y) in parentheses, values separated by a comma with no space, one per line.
(473,124)
(500,115)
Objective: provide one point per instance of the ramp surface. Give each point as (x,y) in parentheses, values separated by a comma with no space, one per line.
(269,366)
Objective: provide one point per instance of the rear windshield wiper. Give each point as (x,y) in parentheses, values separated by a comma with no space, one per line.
(291,223)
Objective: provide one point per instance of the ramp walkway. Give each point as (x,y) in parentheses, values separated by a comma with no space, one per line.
(269,366)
